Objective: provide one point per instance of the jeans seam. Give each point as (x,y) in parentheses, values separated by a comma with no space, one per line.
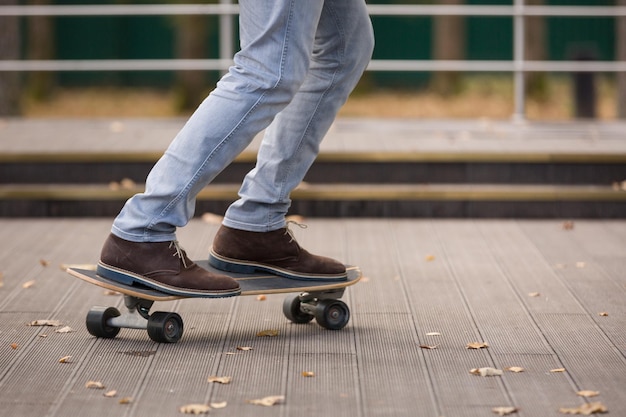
(341,60)
(185,191)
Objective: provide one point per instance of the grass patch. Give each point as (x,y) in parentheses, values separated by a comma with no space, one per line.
(480,97)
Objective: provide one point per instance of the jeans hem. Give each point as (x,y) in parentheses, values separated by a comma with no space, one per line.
(250,227)
(145,237)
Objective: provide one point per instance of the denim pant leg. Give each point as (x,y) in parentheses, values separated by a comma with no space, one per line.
(343,46)
(277,42)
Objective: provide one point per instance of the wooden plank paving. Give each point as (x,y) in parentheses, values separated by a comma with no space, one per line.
(533,290)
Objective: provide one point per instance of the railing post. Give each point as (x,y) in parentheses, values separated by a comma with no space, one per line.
(518,62)
(227,49)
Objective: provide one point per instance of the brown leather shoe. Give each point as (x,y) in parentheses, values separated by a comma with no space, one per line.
(276,252)
(163,266)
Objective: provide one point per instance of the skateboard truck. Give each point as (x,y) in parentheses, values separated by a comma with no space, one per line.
(167,327)
(325,306)
(162,327)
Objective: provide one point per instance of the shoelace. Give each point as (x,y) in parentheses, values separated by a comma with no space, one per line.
(180,252)
(290,232)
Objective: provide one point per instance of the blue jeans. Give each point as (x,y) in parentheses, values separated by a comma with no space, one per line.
(299,61)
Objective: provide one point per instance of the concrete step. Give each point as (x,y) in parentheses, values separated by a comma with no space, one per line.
(337,167)
(340,200)
(366,167)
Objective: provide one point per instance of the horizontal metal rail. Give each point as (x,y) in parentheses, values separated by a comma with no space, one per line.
(375,65)
(373,9)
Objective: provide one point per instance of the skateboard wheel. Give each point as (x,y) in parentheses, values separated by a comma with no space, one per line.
(332,314)
(292,310)
(165,327)
(97,319)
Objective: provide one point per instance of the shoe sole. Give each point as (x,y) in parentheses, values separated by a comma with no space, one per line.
(131,279)
(248,267)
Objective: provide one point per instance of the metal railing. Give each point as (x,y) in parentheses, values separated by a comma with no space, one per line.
(226,10)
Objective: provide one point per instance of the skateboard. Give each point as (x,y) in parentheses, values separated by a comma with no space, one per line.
(306,300)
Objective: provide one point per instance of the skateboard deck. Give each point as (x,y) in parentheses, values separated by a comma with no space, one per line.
(251,284)
(307,300)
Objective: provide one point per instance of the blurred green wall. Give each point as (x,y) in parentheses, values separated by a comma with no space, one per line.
(153,37)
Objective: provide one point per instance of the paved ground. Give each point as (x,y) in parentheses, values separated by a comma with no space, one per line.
(542,294)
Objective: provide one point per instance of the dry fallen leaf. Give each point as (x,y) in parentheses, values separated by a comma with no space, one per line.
(222,404)
(126,400)
(477,345)
(127,184)
(139,353)
(619,186)
(116,127)
(603,314)
(296,218)
(516,369)
(244,348)
(267,333)
(44,262)
(504,411)
(588,393)
(557,370)
(429,347)
(195,409)
(534,294)
(211,218)
(486,371)
(303,186)
(569,225)
(65,359)
(586,409)
(429,258)
(94,385)
(110,394)
(220,379)
(261,297)
(268,401)
(14,346)
(51,323)
(66,329)
(28,284)
(308,374)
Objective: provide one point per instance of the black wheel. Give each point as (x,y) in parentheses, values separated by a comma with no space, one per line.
(332,314)
(165,327)
(291,310)
(97,322)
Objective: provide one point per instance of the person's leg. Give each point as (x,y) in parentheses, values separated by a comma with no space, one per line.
(342,50)
(277,40)
(253,235)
